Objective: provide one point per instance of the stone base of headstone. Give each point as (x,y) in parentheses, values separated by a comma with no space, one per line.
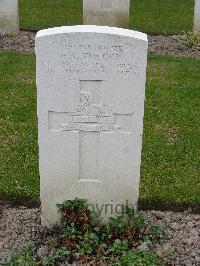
(9,20)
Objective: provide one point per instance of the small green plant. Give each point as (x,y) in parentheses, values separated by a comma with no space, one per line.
(80,237)
(152,233)
(138,258)
(70,231)
(58,256)
(157,230)
(93,239)
(89,243)
(73,205)
(118,223)
(85,248)
(127,210)
(140,220)
(26,257)
(190,40)
(119,246)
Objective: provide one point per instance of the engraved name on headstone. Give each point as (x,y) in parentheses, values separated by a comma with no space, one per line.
(90,91)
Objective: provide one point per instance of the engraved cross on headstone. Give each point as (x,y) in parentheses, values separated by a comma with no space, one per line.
(89,142)
(91,119)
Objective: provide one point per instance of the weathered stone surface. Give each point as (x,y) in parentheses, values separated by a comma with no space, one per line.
(144,247)
(9,21)
(197,16)
(106,12)
(91,89)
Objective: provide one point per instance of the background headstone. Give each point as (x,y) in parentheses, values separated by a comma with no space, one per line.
(91,89)
(106,12)
(9,21)
(197,16)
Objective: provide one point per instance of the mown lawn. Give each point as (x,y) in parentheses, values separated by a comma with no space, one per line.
(171,145)
(171,154)
(18,133)
(173,16)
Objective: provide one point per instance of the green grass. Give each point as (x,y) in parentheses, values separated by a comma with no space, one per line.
(40,14)
(173,16)
(18,133)
(171,155)
(170,161)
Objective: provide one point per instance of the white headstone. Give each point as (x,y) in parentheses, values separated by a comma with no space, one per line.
(91,89)
(197,16)
(9,21)
(106,12)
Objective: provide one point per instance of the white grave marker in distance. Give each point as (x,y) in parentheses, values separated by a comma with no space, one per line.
(197,16)
(106,12)
(9,20)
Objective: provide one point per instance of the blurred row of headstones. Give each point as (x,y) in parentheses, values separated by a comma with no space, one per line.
(95,12)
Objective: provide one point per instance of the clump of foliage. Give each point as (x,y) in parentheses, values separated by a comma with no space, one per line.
(190,40)
(82,237)
(28,256)
(138,258)
(91,240)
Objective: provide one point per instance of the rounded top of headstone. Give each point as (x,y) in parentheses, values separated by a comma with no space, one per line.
(92,29)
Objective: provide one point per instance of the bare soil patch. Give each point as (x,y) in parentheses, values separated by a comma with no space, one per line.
(158,44)
(169,45)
